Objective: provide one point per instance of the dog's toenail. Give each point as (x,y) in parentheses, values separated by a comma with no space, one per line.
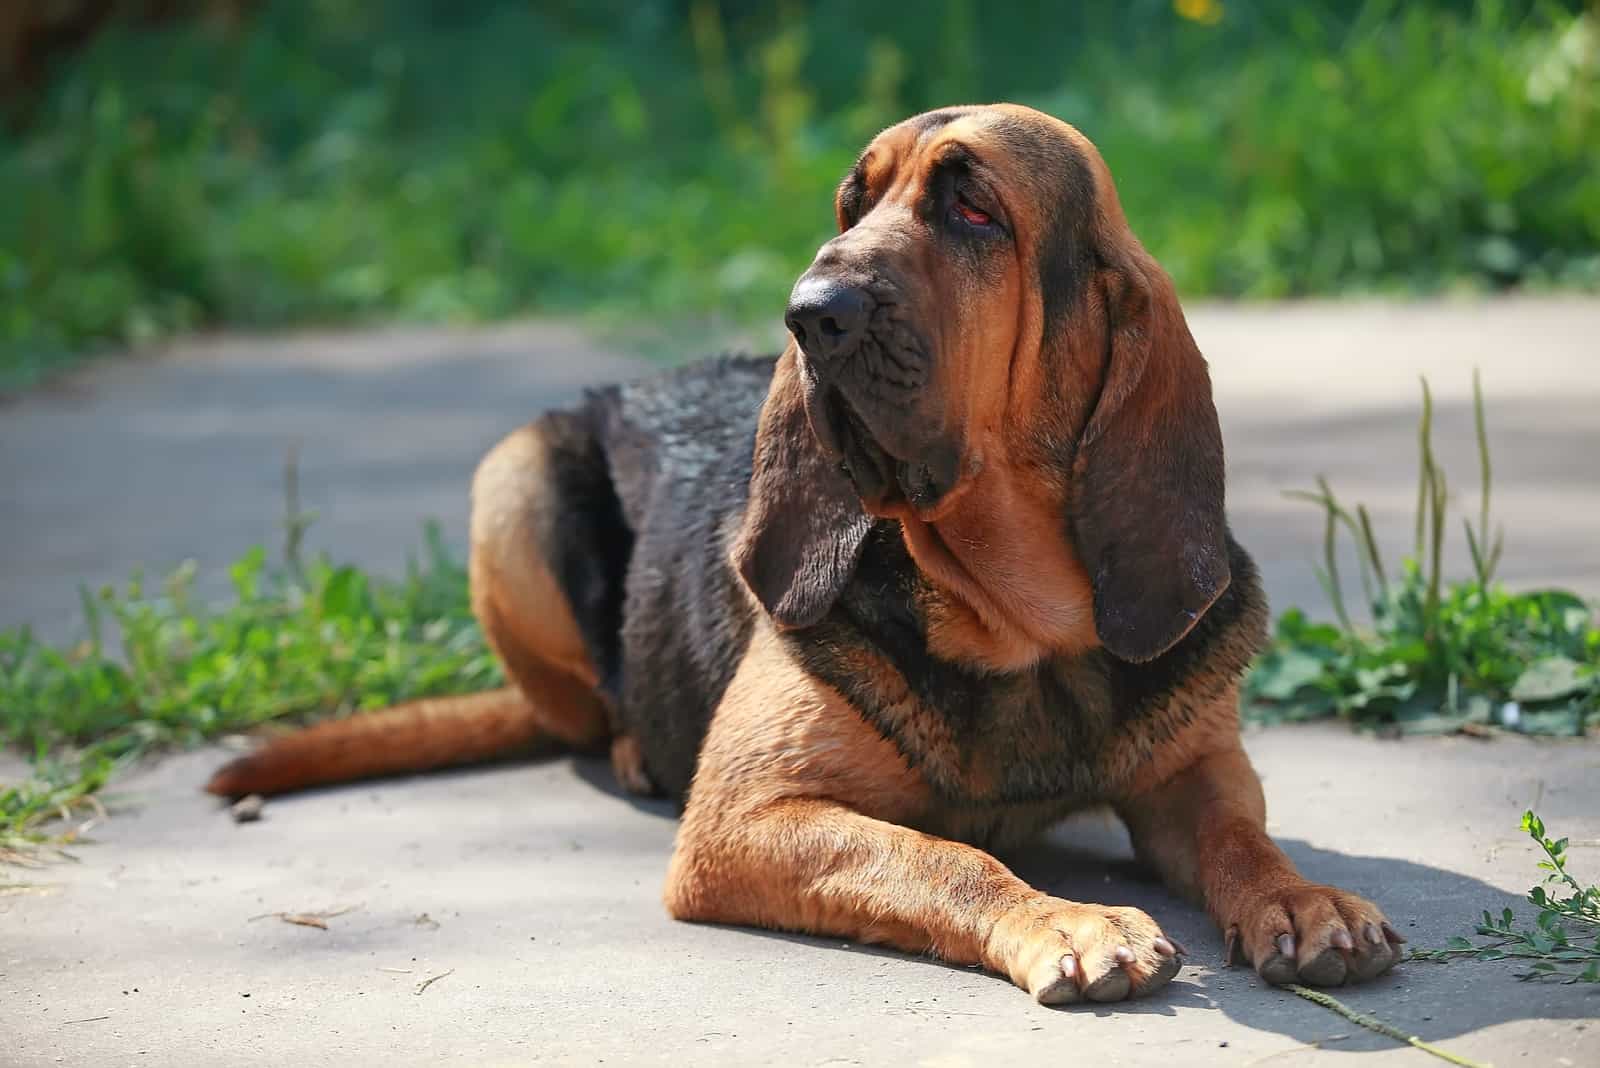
(1374,935)
(1069,967)
(1124,955)
(1230,950)
(1341,939)
(1165,948)
(1286,945)
(1393,935)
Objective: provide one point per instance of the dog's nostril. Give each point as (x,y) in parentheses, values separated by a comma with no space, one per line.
(830,326)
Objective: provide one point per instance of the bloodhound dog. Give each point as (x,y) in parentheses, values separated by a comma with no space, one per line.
(951,567)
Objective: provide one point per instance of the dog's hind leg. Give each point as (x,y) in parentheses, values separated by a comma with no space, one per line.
(549,554)
(548,558)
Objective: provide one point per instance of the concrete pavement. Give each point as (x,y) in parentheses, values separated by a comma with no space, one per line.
(533,888)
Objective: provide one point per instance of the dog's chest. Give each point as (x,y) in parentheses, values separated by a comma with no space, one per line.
(1047,736)
(1062,734)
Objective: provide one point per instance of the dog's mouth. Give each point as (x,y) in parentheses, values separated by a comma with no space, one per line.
(889,487)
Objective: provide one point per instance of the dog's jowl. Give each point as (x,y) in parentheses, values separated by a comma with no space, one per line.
(953,565)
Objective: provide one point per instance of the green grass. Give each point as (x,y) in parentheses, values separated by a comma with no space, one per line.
(302,641)
(1558,944)
(1438,656)
(651,161)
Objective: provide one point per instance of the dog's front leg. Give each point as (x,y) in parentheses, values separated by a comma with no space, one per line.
(794,822)
(815,866)
(1204,829)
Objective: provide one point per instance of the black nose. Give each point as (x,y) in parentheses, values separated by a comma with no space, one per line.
(825,317)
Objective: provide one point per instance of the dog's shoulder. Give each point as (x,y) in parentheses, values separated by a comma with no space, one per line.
(689,431)
(1067,731)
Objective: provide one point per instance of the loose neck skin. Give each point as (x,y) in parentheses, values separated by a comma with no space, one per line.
(1012,591)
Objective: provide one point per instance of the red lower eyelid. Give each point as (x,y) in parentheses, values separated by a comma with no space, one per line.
(972,215)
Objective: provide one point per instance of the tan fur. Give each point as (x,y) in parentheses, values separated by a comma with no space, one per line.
(1014,591)
(523,611)
(415,736)
(627,764)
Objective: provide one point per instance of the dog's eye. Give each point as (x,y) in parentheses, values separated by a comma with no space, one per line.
(971,215)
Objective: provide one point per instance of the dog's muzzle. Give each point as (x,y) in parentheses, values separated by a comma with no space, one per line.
(874,428)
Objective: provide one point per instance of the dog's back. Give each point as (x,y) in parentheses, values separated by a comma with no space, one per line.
(678,447)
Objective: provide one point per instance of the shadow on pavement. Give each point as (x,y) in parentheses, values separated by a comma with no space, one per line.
(1088,858)
(1428,904)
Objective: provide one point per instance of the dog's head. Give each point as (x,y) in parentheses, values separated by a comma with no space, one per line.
(985,308)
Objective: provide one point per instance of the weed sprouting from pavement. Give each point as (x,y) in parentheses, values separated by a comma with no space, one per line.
(1564,941)
(1438,656)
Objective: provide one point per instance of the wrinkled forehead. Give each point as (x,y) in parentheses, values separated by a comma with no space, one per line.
(1022,151)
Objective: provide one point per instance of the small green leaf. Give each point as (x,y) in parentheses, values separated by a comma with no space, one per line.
(1284,672)
(1550,679)
(344,596)
(246,573)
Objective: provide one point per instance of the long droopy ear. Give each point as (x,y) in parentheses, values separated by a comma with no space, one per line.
(1147,504)
(804,526)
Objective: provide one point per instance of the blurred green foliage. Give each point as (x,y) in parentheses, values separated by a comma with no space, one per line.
(333,160)
(312,640)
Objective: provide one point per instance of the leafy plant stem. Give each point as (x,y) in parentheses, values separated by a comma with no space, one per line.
(1330,558)
(1425,471)
(1553,952)
(295,521)
(1485,549)
(1434,510)
(1371,544)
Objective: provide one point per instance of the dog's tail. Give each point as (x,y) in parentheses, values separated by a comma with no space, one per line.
(414,736)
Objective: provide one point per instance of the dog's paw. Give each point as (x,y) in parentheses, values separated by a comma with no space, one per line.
(1062,952)
(627,764)
(1317,935)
